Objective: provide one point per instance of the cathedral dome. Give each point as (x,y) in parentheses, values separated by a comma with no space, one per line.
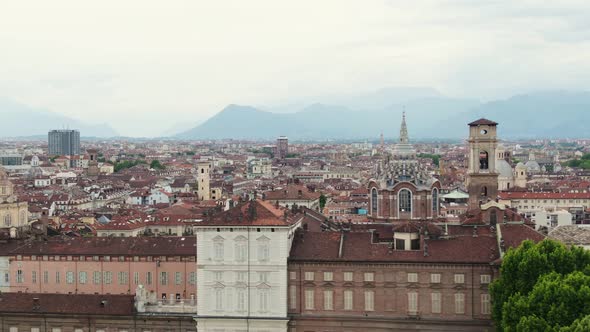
(503,168)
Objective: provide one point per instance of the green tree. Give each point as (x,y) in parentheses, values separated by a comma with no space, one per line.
(521,270)
(155,164)
(323,201)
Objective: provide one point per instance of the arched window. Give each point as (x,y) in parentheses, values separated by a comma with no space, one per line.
(483,160)
(435,200)
(405,200)
(374,201)
(484,191)
(493,217)
(7,220)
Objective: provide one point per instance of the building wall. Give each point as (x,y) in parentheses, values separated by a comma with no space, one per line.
(390,290)
(95,323)
(17,213)
(259,278)
(34,268)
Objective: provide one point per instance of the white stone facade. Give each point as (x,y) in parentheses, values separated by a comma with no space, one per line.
(242,274)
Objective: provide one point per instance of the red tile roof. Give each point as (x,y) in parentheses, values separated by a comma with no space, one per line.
(483,122)
(69,304)
(120,246)
(542,195)
(251,213)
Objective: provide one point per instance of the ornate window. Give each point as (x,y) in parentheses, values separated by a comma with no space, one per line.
(405,200)
(374,201)
(7,220)
(263,249)
(23,218)
(435,200)
(218,251)
(241,247)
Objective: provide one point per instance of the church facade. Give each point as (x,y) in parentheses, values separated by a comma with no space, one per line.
(14,215)
(402,189)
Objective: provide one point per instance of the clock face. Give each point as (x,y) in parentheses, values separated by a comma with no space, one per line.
(484,131)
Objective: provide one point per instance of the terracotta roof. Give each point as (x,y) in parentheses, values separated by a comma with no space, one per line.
(78,304)
(514,234)
(114,246)
(483,122)
(292,193)
(358,247)
(543,195)
(251,213)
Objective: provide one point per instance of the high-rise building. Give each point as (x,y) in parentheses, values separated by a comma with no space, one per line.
(64,142)
(282,147)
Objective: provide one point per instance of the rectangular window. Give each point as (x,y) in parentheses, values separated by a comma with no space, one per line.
(369,276)
(108,277)
(57,277)
(413,303)
(309,276)
(13,329)
(263,276)
(292,275)
(293,297)
(348,276)
(485,279)
(436,303)
(34,277)
(435,278)
(35,329)
(348,297)
(369,300)
(148,278)
(192,278)
(241,300)
(218,250)
(263,252)
(20,276)
(163,278)
(136,278)
(123,278)
(178,278)
(459,303)
(218,299)
(82,277)
(459,278)
(96,277)
(218,275)
(45,277)
(412,277)
(69,277)
(328,276)
(309,299)
(485,304)
(263,295)
(328,300)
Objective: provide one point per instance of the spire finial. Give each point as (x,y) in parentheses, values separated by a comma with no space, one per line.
(403,133)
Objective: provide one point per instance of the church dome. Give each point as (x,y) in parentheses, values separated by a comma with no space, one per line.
(504,168)
(533,165)
(520,165)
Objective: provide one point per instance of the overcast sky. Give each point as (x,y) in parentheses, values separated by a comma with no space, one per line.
(143,66)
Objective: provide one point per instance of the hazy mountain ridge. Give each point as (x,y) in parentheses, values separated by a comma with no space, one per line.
(556,114)
(19,120)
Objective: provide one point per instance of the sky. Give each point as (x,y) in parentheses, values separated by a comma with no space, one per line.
(145,66)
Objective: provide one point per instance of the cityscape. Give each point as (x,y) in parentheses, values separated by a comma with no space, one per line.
(307,167)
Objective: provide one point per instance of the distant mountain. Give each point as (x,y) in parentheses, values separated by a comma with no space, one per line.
(544,114)
(556,114)
(17,120)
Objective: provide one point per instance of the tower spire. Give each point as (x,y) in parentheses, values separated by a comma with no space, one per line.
(403,132)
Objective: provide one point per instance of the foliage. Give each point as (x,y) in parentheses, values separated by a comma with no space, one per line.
(323,200)
(155,164)
(128,164)
(534,291)
(583,162)
(435,157)
(292,155)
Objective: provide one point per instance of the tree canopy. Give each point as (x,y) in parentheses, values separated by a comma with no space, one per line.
(542,287)
(155,164)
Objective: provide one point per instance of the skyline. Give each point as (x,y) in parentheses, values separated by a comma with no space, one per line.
(67,60)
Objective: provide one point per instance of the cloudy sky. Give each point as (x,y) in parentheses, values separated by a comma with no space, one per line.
(144,66)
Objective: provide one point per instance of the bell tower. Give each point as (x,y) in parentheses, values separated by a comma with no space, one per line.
(482,179)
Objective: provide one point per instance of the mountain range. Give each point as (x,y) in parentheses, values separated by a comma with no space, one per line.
(17,120)
(544,114)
